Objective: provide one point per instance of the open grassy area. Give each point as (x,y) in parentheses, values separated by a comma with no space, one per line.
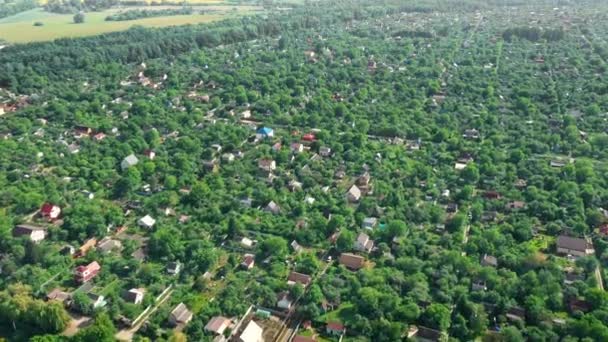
(20,28)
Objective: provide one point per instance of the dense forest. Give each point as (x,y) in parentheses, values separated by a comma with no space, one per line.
(339,170)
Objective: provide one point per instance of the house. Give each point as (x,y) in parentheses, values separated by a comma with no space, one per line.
(150,154)
(211,165)
(492,195)
(180,315)
(310,137)
(489,216)
(82,131)
(217,325)
(246,242)
(130,160)
(50,211)
(228,157)
(84,273)
(603,229)
(296,148)
(489,260)
(33,232)
(59,295)
(515,205)
(294,186)
(97,301)
(364,180)
(246,202)
(451,208)
(516,313)
(460,166)
(284,301)
(471,134)
(272,208)
(364,243)
(135,296)
(369,223)
(248,261)
(277,147)
(67,250)
(557,163)
(264,133)
(575,304)
(246,114)
(296,246)
(520,183)
(424,334)
(479,285)
(174,267)
(298,278)
(267,165)
(107,245)
(352,261)
(86,246)
(577,247)
(146,222)
(252,333)
(335,328)
(325,151)
(354,194)
(99,136)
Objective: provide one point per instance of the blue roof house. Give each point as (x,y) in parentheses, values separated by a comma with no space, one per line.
(265,132)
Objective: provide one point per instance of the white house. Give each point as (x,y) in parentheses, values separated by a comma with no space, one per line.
(364,243)
(130,160)
(135,296)
(146,222)
(252,333)
(246,242)
(284,301)
(353,194)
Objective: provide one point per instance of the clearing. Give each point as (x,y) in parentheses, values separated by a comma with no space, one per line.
(20,28)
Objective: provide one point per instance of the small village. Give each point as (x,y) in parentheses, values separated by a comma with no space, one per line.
(417,174)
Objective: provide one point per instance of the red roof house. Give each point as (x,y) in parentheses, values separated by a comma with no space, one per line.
(84,273)
(50,211)
(334,328)
(308,137)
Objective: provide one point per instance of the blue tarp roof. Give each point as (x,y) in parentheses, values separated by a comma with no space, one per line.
(265,130)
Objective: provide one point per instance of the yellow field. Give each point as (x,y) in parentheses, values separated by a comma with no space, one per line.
(20,28)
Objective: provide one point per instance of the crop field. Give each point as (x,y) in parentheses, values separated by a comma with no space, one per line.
(20,28)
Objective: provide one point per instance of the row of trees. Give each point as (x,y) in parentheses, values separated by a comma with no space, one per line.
(138,14)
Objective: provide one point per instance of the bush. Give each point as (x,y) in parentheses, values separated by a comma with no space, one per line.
(79,18)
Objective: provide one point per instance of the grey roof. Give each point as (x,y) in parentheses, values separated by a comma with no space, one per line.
(573,243)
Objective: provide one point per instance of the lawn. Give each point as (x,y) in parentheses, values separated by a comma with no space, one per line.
(20,28)
(343,313)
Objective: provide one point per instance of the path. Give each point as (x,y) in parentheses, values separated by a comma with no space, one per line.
(598,276)
(127,334)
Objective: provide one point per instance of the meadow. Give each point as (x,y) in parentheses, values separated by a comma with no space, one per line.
(20,28)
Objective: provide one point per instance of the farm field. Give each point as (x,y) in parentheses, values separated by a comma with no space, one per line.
(20,28)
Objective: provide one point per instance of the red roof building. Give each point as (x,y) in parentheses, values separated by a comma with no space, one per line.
(308,137)
(334,328)
(50,211)
(84,273)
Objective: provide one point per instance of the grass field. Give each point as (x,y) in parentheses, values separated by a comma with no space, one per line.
(20,28)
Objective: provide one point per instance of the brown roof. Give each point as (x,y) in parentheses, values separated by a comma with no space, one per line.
(217,324)
(336,326)
(572,243)
(300,278)
(352,261)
